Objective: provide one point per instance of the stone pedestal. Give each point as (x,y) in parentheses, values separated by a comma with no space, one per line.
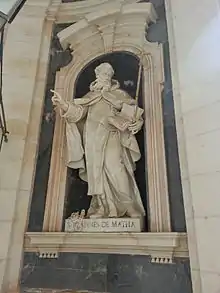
(73,224)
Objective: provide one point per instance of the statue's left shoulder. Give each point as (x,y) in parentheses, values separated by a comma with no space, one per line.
(125,97)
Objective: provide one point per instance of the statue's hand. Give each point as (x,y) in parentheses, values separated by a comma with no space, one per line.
(58,101)
(136,126)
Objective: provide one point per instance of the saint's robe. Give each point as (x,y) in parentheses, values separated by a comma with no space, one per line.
(104,155)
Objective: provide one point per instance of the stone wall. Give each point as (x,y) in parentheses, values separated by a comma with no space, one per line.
(195,63)
(194,52)
(25,60)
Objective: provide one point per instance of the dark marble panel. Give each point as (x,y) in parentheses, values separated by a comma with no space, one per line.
(75,261)
(69,279)
(58,58)
(158,33)
(171,148)
(106,273)
(70,270)
(128,274)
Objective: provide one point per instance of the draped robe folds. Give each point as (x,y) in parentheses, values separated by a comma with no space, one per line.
(104,155)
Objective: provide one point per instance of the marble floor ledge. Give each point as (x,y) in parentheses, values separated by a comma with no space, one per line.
(162,247)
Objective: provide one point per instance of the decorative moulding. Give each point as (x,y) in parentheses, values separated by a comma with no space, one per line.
(162,247)
(119,21)
(74,11)
(119,29)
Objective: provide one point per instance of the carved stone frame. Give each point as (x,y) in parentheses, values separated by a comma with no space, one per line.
(117,26)
(104,31)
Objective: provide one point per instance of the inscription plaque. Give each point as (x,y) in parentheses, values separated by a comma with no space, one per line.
(104,225)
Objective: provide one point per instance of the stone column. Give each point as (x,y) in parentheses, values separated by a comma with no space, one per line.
(194,35)
(25,66)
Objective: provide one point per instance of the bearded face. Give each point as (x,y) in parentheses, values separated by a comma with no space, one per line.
(104,74)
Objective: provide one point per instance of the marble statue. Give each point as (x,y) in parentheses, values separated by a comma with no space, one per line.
(101,143)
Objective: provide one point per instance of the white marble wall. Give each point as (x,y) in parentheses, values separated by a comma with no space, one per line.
(23,83)
(194,31)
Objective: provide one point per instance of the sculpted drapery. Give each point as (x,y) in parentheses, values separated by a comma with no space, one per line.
(101,143)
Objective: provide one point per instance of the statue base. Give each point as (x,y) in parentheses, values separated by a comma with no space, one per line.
(73,224)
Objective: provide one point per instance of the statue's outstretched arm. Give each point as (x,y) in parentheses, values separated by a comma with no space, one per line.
(71,112)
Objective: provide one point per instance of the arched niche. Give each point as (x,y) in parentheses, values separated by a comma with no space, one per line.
(126,68)
(120,29)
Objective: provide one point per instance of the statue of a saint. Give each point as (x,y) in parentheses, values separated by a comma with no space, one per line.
(101,143)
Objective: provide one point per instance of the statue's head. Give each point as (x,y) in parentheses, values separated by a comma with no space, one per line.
(104,82)
(104,72)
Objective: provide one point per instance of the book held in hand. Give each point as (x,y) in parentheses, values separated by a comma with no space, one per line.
(128,115)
